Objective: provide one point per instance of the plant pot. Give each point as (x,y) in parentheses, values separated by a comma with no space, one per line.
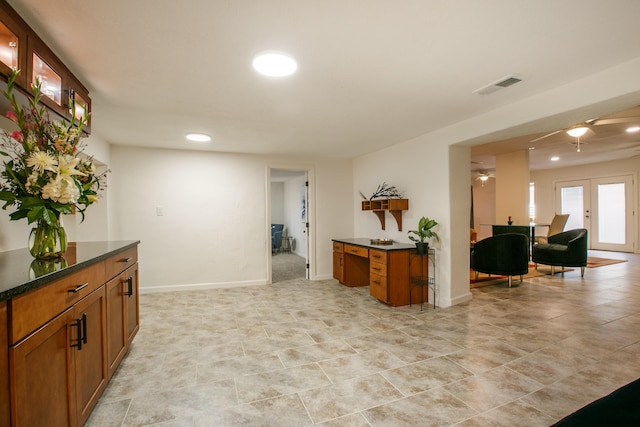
(422,248)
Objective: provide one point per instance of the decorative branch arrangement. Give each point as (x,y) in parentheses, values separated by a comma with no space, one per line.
(386,191)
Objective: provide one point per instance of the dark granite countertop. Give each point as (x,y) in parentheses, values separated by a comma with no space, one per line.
(20,272)
(366,243)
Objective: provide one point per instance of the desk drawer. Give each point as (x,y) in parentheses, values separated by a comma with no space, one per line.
(378,256)
(338,247)
(356,250)
(120,262)
(378,287)
(377,268)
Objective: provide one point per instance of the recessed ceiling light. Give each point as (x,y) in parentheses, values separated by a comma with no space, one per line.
(274,64)
(633,129)
(198,137)
(555,159)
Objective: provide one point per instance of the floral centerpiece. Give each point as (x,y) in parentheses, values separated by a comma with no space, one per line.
(46,173)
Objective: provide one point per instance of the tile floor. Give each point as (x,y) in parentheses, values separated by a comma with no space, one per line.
(301,353)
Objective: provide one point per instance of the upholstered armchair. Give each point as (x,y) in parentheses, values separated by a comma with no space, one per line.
(557,226)
(504,254)
(276,236)
(566,249)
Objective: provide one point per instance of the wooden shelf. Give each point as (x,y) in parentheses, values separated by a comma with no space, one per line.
(393,206)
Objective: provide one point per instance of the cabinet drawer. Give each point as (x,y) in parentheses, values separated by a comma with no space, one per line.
(378,256)
(377,268)
(338,247)
(357,250)
(120,262)
(378,287)
(33,309)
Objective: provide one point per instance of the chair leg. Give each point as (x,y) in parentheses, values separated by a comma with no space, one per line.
(477,275)
(510,279)
(521,278)
(552,270)
(582,271)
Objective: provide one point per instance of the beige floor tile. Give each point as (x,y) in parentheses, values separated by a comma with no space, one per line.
(347,397)
(280,382)
(297,353)
(432,408)
(424,375)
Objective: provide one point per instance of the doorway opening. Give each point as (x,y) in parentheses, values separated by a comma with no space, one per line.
(289,200)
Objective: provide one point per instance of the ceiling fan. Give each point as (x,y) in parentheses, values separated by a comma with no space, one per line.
(484,175)
(579,130)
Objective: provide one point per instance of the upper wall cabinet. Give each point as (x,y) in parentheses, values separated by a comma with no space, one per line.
(13,44)
(21,48)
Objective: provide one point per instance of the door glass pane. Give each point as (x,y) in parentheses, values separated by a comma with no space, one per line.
(572,200)
(611,213)
(8,47)
(51,81)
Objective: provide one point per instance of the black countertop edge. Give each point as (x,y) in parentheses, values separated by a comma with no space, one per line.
(366,243)
(114,248)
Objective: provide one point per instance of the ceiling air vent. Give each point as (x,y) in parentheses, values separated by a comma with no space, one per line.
(499,84)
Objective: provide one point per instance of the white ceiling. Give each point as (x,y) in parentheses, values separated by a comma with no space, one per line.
(372,73)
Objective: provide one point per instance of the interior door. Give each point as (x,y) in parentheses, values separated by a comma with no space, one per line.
(305,210)
(612,214)
(574,198)
(604,206)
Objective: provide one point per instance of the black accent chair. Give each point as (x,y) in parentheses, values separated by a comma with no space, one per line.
(566,249)
(504,254)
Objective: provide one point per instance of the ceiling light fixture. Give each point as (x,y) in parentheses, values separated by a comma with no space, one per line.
(555,158)
(275,64)
(198,137)
(633,129)
(577,132)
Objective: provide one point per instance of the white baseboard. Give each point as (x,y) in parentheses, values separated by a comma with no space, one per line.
(200,286)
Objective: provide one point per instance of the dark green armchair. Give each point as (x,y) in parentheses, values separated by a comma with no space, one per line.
(567,249)
(504,254)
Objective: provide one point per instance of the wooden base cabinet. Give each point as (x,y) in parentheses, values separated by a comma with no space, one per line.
(123,314)
(59,369)
(43,375)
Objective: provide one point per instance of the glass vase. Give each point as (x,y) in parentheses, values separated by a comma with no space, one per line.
(47,241)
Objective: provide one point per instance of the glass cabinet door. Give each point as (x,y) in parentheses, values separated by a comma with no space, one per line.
(50,80)
(8,47)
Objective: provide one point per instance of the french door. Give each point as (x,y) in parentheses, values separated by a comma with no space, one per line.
(604,206)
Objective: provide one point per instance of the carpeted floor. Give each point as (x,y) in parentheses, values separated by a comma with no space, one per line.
(286,267)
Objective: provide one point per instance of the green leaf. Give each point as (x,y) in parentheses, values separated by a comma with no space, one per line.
(7,196)
(35,214)
(19,214)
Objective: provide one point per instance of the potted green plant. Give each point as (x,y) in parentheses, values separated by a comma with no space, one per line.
(423,233)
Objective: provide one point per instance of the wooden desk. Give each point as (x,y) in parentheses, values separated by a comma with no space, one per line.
(384,268)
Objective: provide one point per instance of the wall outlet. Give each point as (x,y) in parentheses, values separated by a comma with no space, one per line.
(159,211)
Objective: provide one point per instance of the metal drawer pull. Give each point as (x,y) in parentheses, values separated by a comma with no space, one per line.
(78,288)
(127,259)
(130,287)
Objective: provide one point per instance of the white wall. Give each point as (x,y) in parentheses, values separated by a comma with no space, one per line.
(484,207)
(294,190)
(432,192)
(214,228)
(277,203)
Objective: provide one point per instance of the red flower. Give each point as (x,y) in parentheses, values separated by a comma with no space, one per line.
(17,135)
(12,116)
